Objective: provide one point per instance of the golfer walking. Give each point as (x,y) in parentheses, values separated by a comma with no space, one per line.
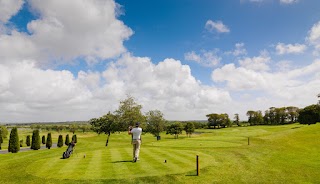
(136,140)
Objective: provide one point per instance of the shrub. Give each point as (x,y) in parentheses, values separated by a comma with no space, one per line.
(28,142)
(60,141)
(49,141)
(67,140)
(1,139)
(4,132)
(74,138)
(43,139)
(14,146)
(35,145)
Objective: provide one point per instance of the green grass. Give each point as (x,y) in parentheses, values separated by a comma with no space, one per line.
(276,154)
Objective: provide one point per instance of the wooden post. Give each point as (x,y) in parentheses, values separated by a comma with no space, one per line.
(198,168)
(248,141)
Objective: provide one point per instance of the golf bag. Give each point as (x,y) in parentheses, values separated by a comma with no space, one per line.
(69,150)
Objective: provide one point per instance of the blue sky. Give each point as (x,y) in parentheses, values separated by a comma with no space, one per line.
(72,60)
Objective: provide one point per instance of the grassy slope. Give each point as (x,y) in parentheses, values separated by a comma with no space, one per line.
(276,154)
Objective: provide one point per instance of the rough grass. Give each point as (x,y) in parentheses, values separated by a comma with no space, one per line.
(276,154)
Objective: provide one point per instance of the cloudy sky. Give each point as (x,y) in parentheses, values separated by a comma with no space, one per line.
(75,60)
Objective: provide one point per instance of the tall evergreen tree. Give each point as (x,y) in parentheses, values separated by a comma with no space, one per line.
(14,145)
(1,140)
(74,138)
(28,142)
(43,139)
(49,141)
(35,145)
(60,141)
(67,140)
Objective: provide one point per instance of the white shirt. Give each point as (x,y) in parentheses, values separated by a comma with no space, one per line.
(136,133)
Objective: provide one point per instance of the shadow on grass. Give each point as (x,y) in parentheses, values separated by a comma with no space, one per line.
(191,174)
(121,161)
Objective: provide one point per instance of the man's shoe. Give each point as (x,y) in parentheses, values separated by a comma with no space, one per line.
(135,159)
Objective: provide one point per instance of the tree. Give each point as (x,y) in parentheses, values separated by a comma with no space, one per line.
(128,113)
(49,141)
(4,132)
(35,145)
(60,141)
(106,124)
(43,139)
(14,145)
(236,119)
(67,141)
(155,122)
(213,120)
(74,138)
(1,140)
(189,128)
(28,142)
(175,129)
(73,128)
(85,128)
(292,113)
(309,115)
(250,114)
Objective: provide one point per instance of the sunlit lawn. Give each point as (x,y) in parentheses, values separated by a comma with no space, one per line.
(276,154)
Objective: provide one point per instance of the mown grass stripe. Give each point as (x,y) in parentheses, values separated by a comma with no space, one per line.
(156,162)
(120,164)
(94,164)
(107,169)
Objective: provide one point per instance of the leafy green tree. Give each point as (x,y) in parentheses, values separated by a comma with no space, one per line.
(106,124)
(49,141)
(250,115)
(236,119)
(155,122)
(85,128)
(213,120)
(74,138)
(1,139)
(67,141)
(73,128)
(128,113)
(28,141)
(225,121)
(60,141)
(309,115)
(189,128)
(293,113)
(35,145)
(43,139)
(175,129)
(4,131)
(14,145)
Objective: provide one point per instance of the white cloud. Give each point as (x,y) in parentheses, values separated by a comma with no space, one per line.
(92,32)
(217,26)
(258,63)
(286,86)
(281,48)
(288,1)
(28,93)
(314,37)
(239,50)
(206,58)
(9,8)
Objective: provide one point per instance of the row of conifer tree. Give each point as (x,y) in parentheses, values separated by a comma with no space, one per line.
(15,144)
